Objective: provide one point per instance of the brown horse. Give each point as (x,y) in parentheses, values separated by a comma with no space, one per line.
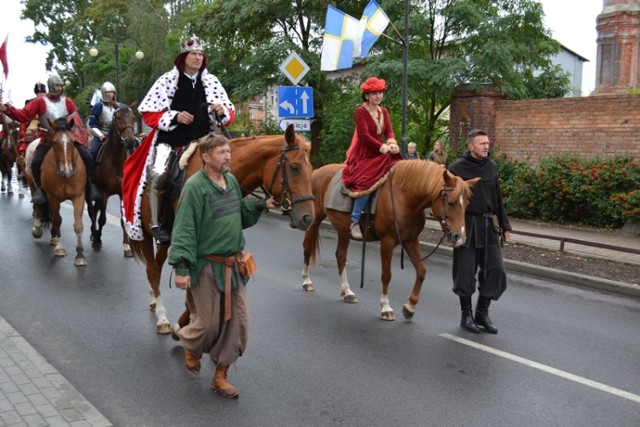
(281,164)
(63,177)
(111,157)
(8,154)
(410,189)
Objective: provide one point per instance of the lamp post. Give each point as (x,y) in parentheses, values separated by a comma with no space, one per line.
(116,39)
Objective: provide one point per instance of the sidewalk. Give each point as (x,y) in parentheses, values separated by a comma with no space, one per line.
(34,393)
(611,238)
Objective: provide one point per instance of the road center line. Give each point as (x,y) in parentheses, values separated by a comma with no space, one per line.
(562,374)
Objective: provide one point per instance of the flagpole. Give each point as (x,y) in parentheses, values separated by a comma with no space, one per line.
(405,64)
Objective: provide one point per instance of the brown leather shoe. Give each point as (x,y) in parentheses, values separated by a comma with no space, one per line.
(222,386)
(191,362)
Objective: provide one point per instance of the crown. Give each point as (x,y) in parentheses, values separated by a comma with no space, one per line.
(194,43)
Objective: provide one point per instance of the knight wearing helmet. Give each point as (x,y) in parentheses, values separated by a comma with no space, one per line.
(53,106)
(101,117)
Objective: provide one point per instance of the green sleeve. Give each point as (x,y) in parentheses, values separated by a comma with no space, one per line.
(184,241)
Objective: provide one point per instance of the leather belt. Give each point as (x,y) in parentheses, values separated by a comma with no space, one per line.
(228,262)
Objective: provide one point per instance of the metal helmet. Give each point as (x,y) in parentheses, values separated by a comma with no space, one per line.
(108,87)
(51,84)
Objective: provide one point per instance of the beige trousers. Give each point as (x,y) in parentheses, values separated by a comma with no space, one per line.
(207,332)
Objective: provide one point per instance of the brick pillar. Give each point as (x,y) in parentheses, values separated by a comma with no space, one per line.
(472,109)
(618,58)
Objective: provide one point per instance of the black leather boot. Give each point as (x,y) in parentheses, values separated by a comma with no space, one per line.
(94,192)
(467,323)
(39,198)
(482,315)
(161,236)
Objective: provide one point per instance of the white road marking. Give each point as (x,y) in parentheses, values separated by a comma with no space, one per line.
(562,374)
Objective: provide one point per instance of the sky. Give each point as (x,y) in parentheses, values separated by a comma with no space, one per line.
(572,23)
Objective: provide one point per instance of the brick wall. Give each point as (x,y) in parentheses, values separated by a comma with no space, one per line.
(530,129)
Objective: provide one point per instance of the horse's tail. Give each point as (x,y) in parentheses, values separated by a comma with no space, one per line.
(136,249)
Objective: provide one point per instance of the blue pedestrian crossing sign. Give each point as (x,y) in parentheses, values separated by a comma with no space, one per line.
(295,101)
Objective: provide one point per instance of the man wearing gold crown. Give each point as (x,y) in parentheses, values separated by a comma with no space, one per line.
(183,105)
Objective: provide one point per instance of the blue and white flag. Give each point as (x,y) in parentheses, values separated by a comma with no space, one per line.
(373,23)
(340,41)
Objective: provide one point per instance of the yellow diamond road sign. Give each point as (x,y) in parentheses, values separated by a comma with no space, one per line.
(294,68)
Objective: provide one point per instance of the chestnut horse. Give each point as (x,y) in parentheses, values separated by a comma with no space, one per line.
(109,165)
(410,189)
(280,163)
(63,177)
(8,154)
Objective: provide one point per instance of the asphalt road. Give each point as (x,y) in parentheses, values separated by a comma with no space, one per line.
(563,356)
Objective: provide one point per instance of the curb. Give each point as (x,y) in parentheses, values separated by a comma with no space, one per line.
(567,277)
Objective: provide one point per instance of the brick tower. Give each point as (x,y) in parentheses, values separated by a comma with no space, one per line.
(618,60)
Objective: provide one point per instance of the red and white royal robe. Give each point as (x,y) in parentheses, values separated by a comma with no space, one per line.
(157,113)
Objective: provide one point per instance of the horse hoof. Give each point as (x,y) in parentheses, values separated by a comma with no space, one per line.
(388,315)
(350,298)
(36,233)
(96,244)
(80,262)
(163,328)
(308,287)
(60,253)
(408,314)
(128,253)
(21,196)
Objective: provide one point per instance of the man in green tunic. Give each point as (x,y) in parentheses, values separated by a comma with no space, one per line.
(206,239)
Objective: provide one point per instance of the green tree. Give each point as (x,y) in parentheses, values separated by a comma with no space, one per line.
(451,42)
(454,42)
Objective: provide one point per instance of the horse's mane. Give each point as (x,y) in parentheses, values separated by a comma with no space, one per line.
(426,175)
(248,141)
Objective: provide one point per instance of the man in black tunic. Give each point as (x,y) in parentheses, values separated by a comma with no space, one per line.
(481,255)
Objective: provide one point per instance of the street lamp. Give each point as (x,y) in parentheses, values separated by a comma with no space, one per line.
(116,39)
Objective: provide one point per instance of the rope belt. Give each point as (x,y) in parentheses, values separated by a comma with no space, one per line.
(228,262)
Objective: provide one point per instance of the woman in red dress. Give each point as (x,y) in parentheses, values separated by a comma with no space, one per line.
(373,149)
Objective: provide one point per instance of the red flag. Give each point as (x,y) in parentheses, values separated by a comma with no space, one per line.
(3,57)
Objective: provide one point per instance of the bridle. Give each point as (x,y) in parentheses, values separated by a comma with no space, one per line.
(287,200)
(9,137)
(119,131)
(443,211)
(56,145)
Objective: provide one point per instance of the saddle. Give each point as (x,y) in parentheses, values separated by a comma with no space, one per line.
(339,198)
